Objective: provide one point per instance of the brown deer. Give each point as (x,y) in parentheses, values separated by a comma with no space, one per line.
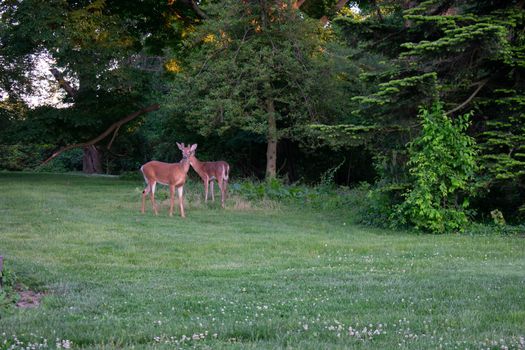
(171,174)
(209,171)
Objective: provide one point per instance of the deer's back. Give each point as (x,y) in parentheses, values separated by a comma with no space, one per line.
(215,168)
(165,173)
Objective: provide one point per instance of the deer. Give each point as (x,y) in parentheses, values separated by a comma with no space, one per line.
(209,171)
(171,174)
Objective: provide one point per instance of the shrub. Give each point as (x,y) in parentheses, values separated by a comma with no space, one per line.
(7,292)
(19,157)
(375,205)
(321,196)
(442,166)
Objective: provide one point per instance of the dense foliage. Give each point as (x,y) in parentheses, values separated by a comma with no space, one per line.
(98,54)
(283,89)
(467,54)
(258,67)
(443,164)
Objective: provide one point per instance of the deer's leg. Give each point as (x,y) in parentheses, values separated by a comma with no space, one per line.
(212,192)
(220,182)
(172,198)
(152,186)
(180,192)
(226,178)
(224,187)
(144,194)
(206,182)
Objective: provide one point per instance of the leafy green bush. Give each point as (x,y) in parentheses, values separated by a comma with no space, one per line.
(67,161)
(442,165)
(8,295)
(488,229)
(273,189)
(132,175)
(320,196)
(19,157)
(375,205)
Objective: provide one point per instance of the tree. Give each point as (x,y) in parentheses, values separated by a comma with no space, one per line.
(257,66)
(467,54)
(101,54)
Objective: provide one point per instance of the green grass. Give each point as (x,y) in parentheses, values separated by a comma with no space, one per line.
(245,277)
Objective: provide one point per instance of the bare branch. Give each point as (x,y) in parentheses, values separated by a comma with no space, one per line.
(467,101)
(108,131)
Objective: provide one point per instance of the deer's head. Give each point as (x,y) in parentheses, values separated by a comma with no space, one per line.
(187,152)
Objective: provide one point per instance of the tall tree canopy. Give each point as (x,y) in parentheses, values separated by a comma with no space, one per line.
(106,55)
(349,73)
(258,66)
(468,54)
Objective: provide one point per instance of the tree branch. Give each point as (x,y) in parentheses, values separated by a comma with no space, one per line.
(108,131)
(297,4)
(338,6)
(378,10)
(442,8)
(467,101)
(196,8)
(113,137)
(63,83)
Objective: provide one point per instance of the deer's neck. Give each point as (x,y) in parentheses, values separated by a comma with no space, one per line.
(198,166)
(185,165)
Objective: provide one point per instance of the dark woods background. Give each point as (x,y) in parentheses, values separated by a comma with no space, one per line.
(337,86)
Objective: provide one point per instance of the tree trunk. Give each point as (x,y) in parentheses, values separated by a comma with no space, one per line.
(91,163)
(271,150)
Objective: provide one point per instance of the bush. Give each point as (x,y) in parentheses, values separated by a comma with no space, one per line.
(21,157)
(67,161)
(442,165)
(375,205)
(30,157)
(8,294)
(319,197)
(495,229)
(132,175)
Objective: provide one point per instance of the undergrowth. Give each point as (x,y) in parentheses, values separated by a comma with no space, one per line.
(8,295)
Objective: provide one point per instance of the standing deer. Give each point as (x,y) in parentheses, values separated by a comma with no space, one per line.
(209,171)
(171,174)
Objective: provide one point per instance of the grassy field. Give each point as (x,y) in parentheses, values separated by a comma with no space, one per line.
(246,277)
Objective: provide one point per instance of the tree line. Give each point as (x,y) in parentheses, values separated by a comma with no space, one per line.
(424,99)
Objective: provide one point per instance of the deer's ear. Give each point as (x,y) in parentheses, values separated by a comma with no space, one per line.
(193,147)
(180,146)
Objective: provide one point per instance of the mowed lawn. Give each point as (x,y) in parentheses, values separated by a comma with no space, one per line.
(247,277)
